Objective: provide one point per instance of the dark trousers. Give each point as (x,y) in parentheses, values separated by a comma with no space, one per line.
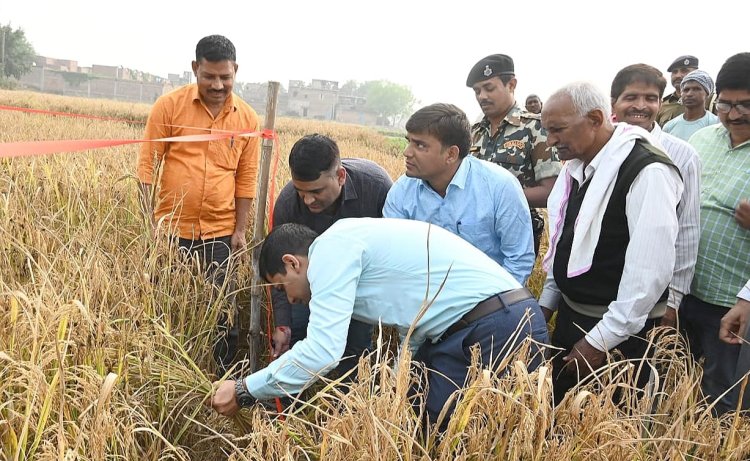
(699,322)
(214,256)
(571,326)
(447,361)
(358,341)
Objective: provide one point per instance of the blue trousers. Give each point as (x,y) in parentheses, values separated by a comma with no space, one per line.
(448,360)
(699,322)
(358,341)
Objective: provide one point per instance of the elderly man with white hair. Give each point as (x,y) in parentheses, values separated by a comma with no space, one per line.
(613,226)
(696,88)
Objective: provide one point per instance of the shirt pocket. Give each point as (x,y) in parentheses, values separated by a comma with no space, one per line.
(225,153)
(480,232)
(511,154)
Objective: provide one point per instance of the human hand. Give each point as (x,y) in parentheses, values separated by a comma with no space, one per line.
(734,323)
(238,241)
(224,400)
(548,313)
(742,214)
(584,358)
(281,337)
(670,318)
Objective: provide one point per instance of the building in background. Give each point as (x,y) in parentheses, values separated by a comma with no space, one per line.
(318,100)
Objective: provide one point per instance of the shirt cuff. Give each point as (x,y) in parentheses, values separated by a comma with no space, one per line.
(675,298)
(258,387)
(602,338)
(744,293)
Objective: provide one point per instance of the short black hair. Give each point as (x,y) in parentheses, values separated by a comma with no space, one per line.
(505,78)
(215,48)
(446,122)
(533,96)
(312,155)
(289,238)
(734,74)
(633,73)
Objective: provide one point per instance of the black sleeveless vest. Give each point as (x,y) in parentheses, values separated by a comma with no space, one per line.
(600,284)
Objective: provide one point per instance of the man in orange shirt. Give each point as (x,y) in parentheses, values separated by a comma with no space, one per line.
(206,188)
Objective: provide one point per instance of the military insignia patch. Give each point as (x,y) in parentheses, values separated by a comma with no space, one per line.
(514,143)
(686,62)
(487,71)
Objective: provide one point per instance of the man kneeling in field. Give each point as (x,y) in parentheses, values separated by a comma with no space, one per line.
(378,271)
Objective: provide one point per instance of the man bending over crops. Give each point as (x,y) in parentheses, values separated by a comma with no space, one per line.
(324,188)
(399,273)
(613,227)
(205,188)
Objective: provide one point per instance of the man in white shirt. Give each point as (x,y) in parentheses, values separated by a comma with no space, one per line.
(636,98)
(612,245)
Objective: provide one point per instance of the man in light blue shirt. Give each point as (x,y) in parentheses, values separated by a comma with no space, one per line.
(696,89)
(385,271)
(477,200)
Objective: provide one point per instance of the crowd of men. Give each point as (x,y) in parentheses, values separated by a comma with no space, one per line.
(646,228)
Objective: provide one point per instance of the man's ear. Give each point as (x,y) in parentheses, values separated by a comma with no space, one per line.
(291,262)
(194,64)
(341,175)
(596,117)
(452,154)
(512,84)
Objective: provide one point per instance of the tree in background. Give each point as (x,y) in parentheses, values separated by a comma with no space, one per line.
(389,100)
(16,53)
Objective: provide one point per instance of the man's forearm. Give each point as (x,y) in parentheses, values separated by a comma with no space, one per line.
(537,195)
(242,213)
(282,310)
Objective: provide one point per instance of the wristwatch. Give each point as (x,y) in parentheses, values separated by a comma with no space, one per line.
(244,398)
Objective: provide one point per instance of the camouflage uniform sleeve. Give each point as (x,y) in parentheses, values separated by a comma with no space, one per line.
(545,160)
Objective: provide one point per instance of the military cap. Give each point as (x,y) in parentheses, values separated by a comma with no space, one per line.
(493,65)
(683,61)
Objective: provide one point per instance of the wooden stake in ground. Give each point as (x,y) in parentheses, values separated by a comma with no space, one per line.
(259,229)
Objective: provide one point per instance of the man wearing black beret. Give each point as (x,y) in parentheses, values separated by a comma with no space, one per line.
(510,136)
(671,106)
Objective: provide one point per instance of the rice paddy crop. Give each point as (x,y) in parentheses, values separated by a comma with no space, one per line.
(106,335)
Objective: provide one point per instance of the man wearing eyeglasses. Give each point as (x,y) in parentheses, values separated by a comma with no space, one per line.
(723,262)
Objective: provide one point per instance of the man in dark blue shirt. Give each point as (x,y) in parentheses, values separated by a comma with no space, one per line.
(325,188)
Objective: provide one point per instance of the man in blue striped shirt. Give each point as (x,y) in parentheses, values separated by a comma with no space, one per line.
(636,99)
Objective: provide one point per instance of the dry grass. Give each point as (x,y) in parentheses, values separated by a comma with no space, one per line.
(105,342)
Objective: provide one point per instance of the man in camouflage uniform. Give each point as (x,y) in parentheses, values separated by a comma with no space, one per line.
(512,137)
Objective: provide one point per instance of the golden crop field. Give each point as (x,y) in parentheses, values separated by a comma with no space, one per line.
(105,340)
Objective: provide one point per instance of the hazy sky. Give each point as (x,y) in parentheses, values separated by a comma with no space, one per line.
(427,45)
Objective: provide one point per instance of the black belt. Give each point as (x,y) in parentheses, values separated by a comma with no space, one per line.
(488,306)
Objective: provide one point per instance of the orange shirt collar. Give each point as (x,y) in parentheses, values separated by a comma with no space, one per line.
(197,97)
